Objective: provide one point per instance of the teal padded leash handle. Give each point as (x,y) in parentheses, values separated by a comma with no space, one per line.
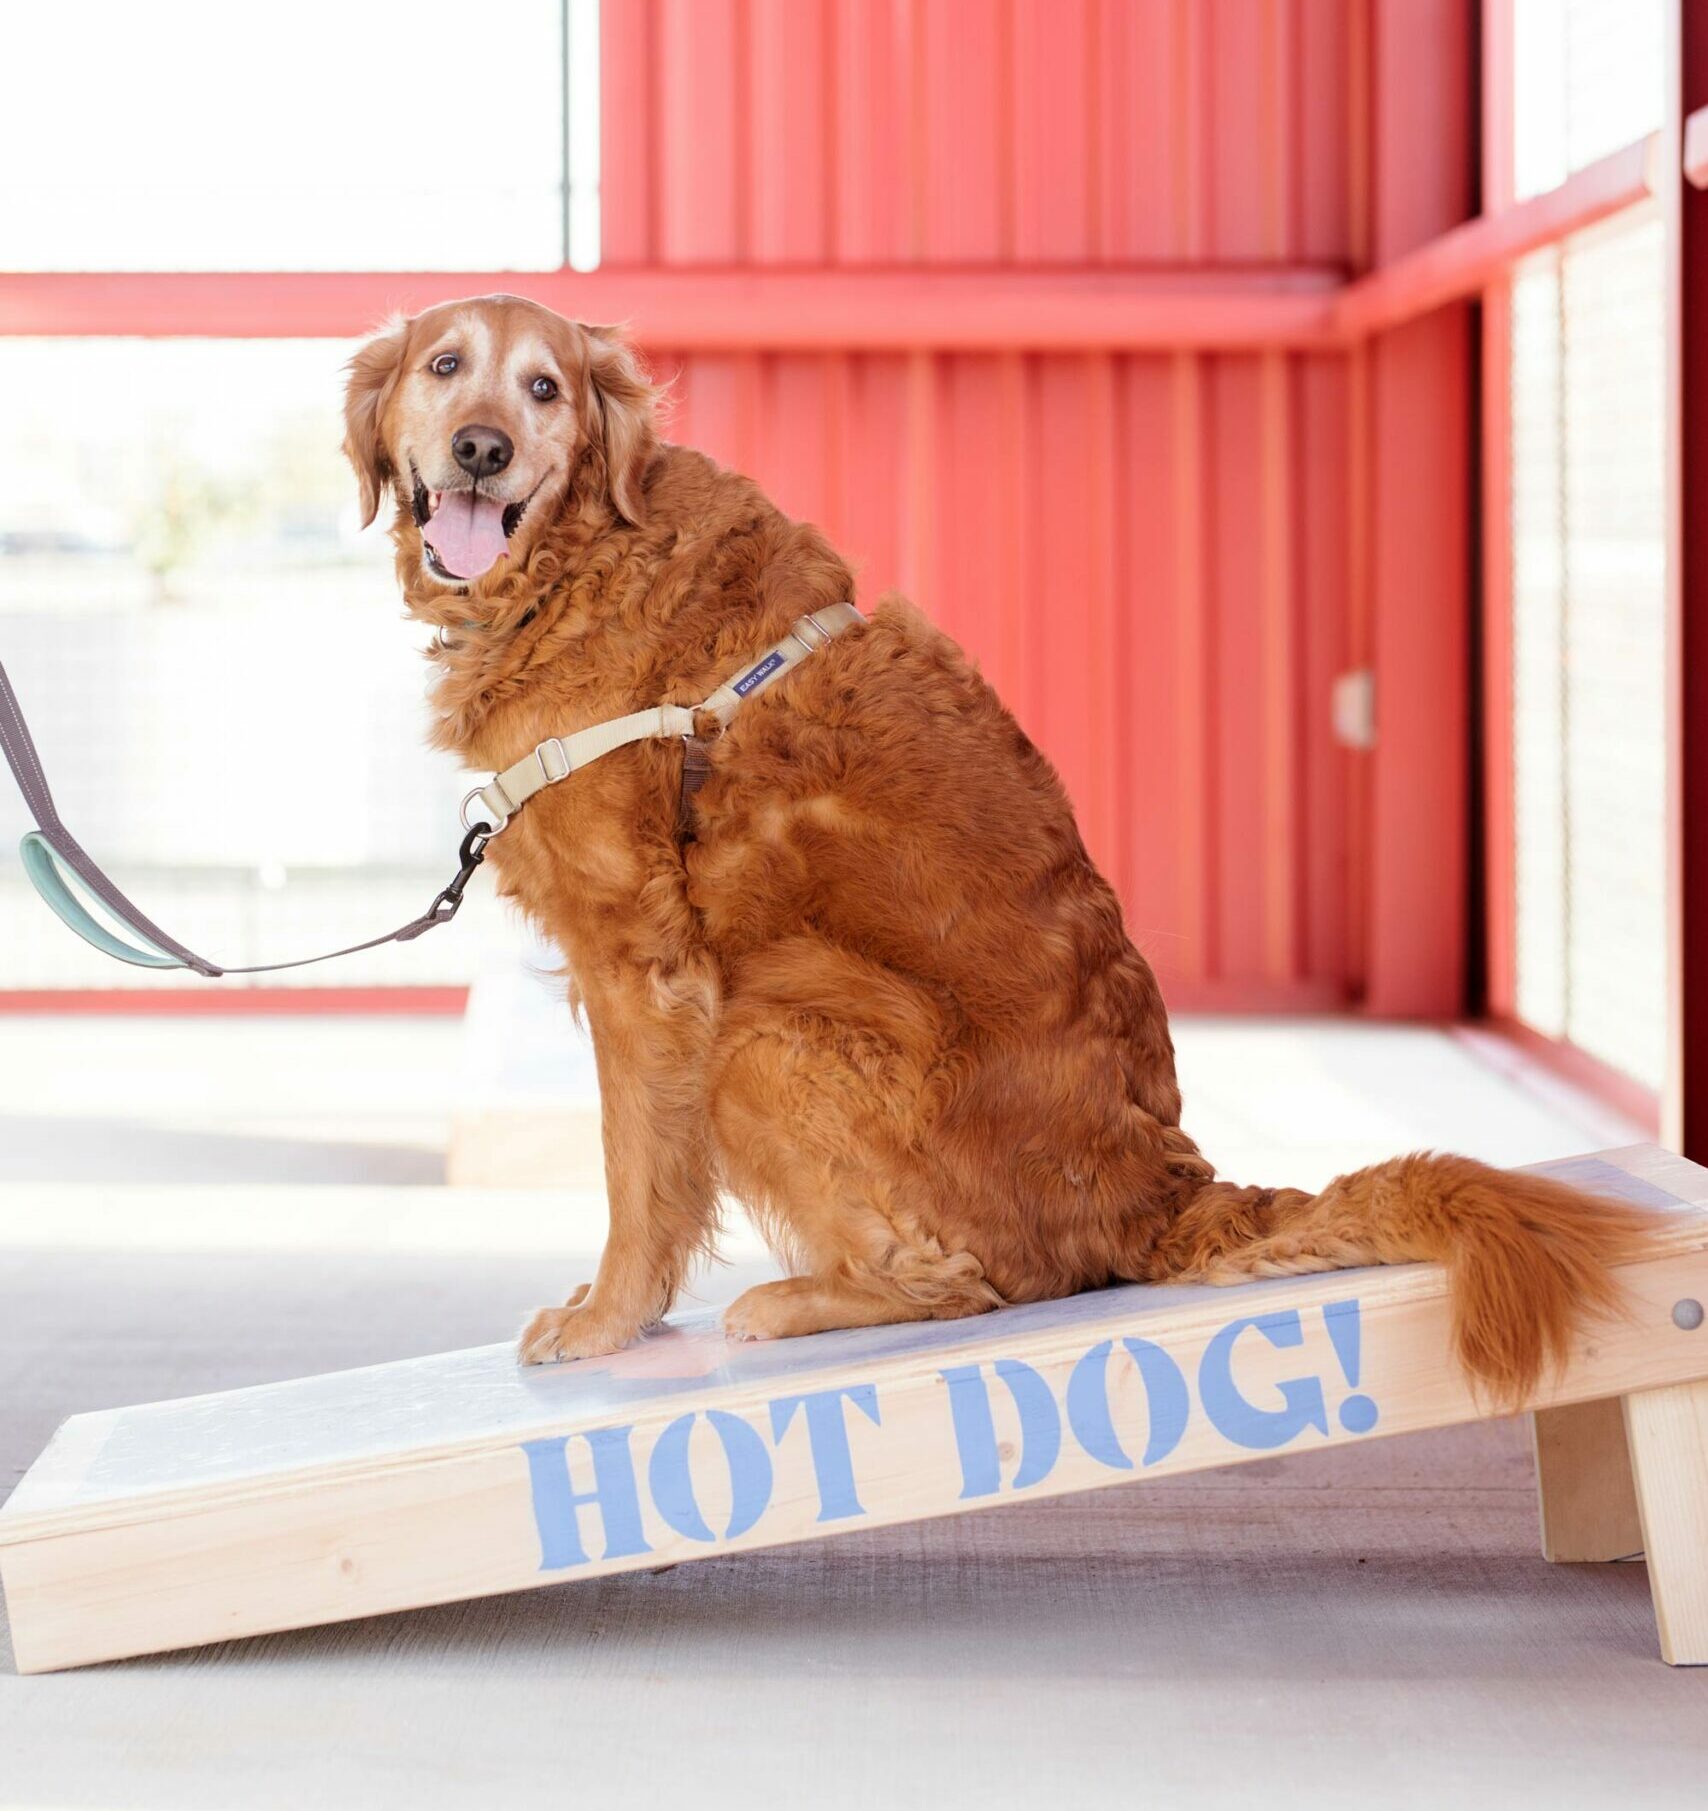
(44,873)
(52,857)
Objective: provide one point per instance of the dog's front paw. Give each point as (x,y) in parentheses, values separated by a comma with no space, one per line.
(572,1331)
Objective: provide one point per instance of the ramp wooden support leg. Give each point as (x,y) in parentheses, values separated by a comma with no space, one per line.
(1667,1430)
(1583,1481)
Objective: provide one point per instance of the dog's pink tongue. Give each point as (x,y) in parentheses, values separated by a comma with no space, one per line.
(466,532)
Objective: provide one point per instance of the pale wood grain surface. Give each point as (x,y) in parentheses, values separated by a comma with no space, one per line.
(1668,1434)
(1587,1502)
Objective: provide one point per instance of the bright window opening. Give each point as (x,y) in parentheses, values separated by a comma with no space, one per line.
(440,136)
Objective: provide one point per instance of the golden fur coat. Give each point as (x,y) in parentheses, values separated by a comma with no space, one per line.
(880,994)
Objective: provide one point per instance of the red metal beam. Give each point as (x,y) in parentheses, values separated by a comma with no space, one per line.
(236,1002)
(716,310)
(1302,307)
(1570,1064)
(1461,262)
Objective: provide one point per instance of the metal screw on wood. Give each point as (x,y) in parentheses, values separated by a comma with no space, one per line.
(1687,1315)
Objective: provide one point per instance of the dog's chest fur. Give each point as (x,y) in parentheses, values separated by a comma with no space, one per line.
(608,619)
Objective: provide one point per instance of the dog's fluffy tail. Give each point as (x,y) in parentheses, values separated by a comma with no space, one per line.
(1529,1258)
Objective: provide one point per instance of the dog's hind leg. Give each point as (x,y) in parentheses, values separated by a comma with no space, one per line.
(816,1303)
(818,1085)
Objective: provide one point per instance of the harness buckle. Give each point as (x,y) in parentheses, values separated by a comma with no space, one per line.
(803,628)
(554,745)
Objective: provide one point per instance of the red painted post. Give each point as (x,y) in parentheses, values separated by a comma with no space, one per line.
(1696,147)
(1499,822)
(628,165)
(1685,1108)
(1419,533)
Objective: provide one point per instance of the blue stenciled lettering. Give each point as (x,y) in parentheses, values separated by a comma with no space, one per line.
(1358,1412)
(1040,1422)
(1166,1399)
(1242,1421)
(672,1480)
(975,1432)
(557,1504)
(827,1434)
(1167,1404)
(605,1470)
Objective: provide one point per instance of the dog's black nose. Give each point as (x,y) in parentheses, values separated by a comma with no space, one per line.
(481,452)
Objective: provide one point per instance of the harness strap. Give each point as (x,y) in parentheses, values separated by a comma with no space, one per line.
(558,757)
(60,870)
(696,771)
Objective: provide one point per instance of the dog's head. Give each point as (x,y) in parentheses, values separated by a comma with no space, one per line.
(489,417)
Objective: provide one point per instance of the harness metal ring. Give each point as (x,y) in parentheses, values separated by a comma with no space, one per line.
(463,812)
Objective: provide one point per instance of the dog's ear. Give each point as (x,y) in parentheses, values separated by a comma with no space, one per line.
(622,420)
(374,372)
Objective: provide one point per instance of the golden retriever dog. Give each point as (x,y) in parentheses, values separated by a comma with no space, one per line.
(866,979)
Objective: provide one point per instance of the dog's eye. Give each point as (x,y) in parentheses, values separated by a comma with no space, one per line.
(543,389)
(444,364)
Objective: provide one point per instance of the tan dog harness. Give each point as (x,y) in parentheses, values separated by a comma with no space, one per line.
(68,880)
(558,757)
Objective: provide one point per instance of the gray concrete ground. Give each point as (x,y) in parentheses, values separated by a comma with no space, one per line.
(1369,1625)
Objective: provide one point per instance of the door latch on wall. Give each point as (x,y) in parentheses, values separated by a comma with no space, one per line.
(1352,708)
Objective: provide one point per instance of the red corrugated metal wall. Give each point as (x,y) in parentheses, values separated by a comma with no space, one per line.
(1155,557)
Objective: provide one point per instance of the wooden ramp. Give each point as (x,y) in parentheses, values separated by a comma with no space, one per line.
(456,1476)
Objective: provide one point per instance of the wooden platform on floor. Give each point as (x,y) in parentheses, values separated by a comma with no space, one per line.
(457,1476)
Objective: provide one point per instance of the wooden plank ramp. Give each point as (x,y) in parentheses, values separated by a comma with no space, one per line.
(461,1475)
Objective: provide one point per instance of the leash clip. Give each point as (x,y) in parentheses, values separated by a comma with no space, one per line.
(470,855)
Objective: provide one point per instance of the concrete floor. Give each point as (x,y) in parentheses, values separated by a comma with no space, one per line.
(230,1201)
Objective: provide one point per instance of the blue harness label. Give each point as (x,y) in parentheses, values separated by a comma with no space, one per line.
(758,675)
